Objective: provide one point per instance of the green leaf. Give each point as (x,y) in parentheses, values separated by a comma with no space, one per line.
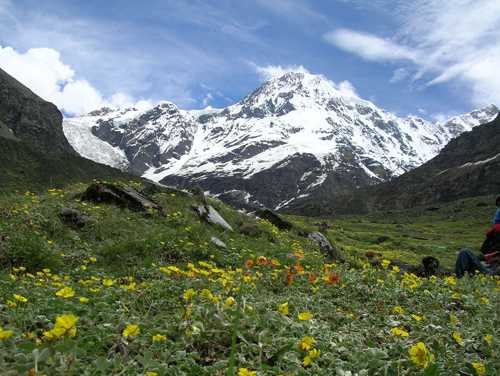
(432,370)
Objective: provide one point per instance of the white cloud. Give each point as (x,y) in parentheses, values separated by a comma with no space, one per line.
(368,46)
(453,40)
(399,75)
(269,72)
(43,71)
(347,89)
(207,100)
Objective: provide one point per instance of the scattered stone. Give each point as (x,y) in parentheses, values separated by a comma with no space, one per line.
(219,243)
(274,218)
(73,218)
(210,215)
(381,239)
(432,208)
(125,197)
(250,229)
(324,245)
(429,266)
(323,226)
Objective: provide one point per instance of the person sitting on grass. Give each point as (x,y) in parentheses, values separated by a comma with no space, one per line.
(489,260)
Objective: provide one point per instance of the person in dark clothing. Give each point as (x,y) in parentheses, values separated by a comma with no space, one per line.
(468,262)
(489,260)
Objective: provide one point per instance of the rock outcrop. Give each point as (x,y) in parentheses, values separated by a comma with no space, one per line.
(30,118)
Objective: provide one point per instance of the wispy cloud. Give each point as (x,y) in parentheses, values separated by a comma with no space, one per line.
(368,46)
(444,40)
(298,11)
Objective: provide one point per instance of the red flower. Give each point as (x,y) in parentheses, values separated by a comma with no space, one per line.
(332,278)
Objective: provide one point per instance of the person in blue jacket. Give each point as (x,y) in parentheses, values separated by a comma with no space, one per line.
(496,218)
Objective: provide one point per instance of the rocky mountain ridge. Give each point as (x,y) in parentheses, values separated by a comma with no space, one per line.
(294,136)
(468,166)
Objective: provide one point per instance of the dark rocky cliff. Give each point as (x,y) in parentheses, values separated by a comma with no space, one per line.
(30,118)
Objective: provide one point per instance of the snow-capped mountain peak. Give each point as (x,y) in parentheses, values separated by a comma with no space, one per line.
(293,135)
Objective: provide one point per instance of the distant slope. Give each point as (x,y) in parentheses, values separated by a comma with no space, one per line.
(34,153)
(468,166)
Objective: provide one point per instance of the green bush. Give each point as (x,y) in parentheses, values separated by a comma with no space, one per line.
(29,250)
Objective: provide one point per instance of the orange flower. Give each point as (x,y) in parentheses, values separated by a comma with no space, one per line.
(313,278)
(249,264)
(261,260)
(289,278)
(332,278)
(299,268)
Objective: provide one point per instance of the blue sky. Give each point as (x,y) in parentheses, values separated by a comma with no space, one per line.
(425,58)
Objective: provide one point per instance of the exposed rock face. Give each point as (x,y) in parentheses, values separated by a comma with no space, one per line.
(73,218)
(212,216)
(125,197)
(29,118)
(274,218)
(324,245)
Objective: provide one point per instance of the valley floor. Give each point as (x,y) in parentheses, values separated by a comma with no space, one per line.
(135,294)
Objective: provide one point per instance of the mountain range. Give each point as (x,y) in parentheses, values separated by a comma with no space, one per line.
(292,143)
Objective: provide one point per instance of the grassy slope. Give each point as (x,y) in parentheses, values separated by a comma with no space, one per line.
(130,283)
(23,168)
(417,232)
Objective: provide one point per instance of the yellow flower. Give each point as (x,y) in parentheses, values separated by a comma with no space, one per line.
(399,332)
(457,337)
(64,325)
(417,317)
(11,304)
(108,282)
(246,372)
(484,300)
(151,373)
(66,293)
(451,280)
(304,316)
(159,338)
(386,263)
(92,259)
(5,334)
(479,367)
(395,269)
(229,302)
(453,319)
(20,298)
(398,309)
(420,355)
(189,294)
(311,355)
(132,286)
(83,299)
(283,308)
(307,343)
(488,339)
(131,330)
